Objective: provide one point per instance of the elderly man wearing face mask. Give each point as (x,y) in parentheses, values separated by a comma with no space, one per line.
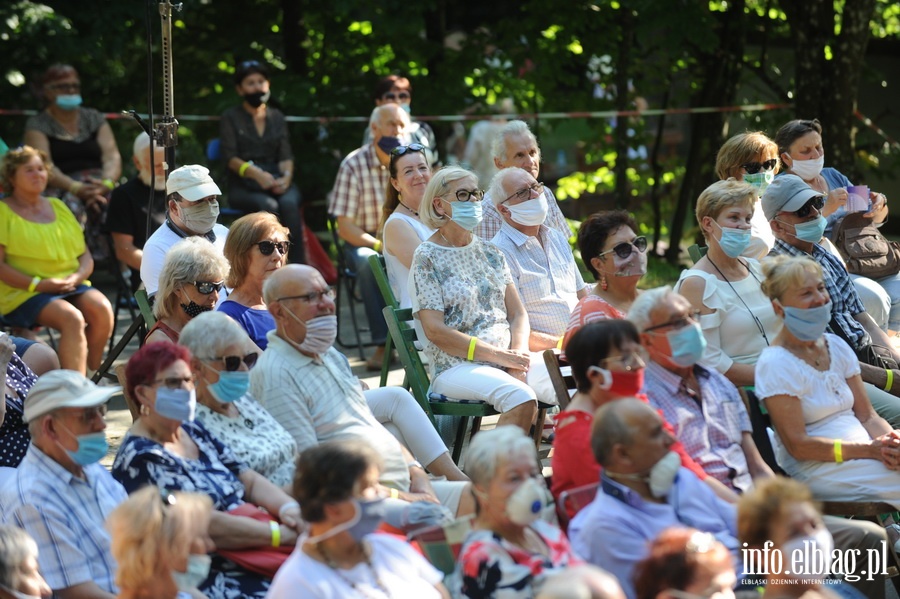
(193,207)
(541,264)
(643,490)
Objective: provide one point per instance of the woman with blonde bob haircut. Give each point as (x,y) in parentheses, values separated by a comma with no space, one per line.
(724,286)
(257,245)
(844,451)
(192,275)
(160,543)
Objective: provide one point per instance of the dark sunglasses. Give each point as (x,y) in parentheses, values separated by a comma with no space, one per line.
(249,63)
(233,363)
(816,202)
(404,150)
(624,249)
(394,96)
(267,247)
(207,287)
(754,167)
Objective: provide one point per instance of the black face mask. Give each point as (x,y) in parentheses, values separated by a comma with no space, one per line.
(257,99)
(388,143)
(193,309)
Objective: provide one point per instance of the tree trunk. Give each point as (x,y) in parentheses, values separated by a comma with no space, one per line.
(292,35)
(623,102)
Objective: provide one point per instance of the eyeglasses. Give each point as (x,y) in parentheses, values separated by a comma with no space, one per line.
(464,195)
(311,298)
(267,247)
(207,287)
(233,363)
(525,192)
(174,382)
(754,167)
(817,202)
(678,323)
(88,415)
(394,96)
(65,87)
(624,249)
(631,361)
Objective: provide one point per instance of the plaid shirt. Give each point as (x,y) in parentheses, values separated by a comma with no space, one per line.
(710,427)
(845,301)
(491,221)
(359,188)
(545,275)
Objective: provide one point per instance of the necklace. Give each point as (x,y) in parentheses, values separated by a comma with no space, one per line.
(450,243)
(759,325)
(408,208)
(367,558)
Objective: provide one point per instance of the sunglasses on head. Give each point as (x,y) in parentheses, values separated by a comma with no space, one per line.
(249,63)
(754,167)
(267,247)
(233,363)
(207,287)
(817,202)
(404,150)
(394,96)
(624,249)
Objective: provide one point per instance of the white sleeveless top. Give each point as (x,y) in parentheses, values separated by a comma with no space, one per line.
(398,274)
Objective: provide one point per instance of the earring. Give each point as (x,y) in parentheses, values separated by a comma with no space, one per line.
(145,410)
(604,285)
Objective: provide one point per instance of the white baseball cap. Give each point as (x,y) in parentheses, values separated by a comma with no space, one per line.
(64,389)
(192,182)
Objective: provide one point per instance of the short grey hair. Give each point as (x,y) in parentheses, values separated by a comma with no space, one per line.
(489,448)
(646,302)
(141,143)
(498,147)
(496,191)
(438,186)
(187,261)
(610,429)
(15,547)
(379,111)
(208,334)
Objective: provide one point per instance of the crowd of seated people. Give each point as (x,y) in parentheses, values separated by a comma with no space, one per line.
(259,465)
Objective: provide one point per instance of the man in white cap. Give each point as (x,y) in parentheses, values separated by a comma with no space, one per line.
(60,494)
(193,207)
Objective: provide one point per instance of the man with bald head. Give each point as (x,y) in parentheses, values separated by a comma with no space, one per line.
(356,202)
(308,386)
(643,491)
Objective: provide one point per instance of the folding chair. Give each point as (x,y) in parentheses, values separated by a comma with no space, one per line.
(346,285)
(560,377)
(376,263)
(572,501)
(143,302)
(124,298)
(696,252)
(441,544)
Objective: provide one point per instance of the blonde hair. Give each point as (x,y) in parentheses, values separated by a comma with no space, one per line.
(186,261)
(244,233)
(489,448)
(151,529)
(17,157)
(741,149)
(437,187)
(787,272)
(724,194)
(760,507)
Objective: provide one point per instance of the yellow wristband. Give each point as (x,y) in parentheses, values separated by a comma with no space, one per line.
(889,383)
(34,283)
(471,355)
(377,245)
(109,183)
(395,494)
(276,533)
(243,168)
(559,343)
(838,453)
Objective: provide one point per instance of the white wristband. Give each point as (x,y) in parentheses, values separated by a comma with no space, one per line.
(285,507)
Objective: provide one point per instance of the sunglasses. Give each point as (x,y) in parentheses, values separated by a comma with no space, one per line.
(207,287)
(249,63)
(233,363)
(394,96)
(624,249)
(267,247)
(816,202)
(754,167)
(403,150)
(678,323)
(525,192)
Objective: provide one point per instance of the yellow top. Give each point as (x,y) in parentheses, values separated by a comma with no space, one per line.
(46,250)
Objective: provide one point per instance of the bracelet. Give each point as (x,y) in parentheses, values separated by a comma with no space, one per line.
(286,507)
(34,283)
(395,494)
(243,169)
(276,533)
(838,453)
(415,464)
(889,383)
(559,343)
(377,245)
(109,183)
(471,355)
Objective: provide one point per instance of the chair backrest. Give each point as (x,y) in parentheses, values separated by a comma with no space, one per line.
(404,337)
(379,270)
(760,423)
(696,252)
(573,500)
(560,376)
(343,268)
(442,543)
(143,302)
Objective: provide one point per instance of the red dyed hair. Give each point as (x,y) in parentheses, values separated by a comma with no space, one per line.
(150,360)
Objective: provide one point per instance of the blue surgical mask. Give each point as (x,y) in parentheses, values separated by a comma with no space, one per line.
(231,386)
(466,214)
(733,241)
(811,231)
(92,448)
(176,404)
(807,324)
(197,571)
(68,101)
(368,517)
(760,180)
(687,344)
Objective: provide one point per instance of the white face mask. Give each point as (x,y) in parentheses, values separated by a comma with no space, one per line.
(662,475)
(813,552)
(197,571)
(321,332)
(199,217)
(530,213)
(527,502)
(808,169)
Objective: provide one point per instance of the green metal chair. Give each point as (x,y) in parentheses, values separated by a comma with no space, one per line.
(379,270)
(696,252)
(143,302)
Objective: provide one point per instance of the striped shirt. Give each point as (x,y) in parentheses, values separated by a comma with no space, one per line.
(65,515)
(359,188)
